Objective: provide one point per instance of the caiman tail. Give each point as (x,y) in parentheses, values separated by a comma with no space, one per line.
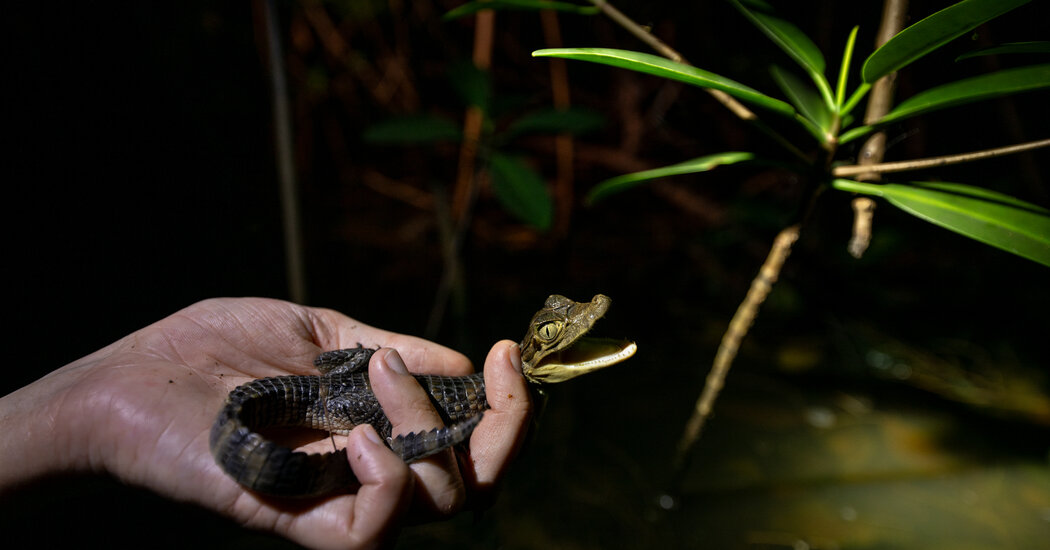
(335,403)
(262,465)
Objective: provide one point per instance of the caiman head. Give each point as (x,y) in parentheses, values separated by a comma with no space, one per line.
(556,347)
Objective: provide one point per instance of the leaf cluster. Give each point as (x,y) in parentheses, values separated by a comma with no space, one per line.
(825,108)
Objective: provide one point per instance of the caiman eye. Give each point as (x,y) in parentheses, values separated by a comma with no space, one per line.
(549,330)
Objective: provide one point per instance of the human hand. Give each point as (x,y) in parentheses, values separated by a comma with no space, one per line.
(141,409)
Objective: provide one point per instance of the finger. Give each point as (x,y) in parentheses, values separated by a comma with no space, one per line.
(439,487)
(336,331)
(502,430)
(386,487)
(368,518)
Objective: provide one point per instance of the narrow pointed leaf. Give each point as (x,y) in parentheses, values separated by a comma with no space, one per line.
(471,8)
(412,130)
(847,60)
(658,66)
(931,33)
(790,38)
(803,97)
(987,216)
(817,132)
(574,121)
(794,42)
(1041,47)
(855,98)
(1009,81)
(521,191)
(854,133)
(701,164)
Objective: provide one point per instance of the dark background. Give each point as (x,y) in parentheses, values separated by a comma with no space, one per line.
(141,178)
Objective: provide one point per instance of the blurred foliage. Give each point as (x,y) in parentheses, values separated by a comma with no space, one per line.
(516,184)
(412,130)
(470,8)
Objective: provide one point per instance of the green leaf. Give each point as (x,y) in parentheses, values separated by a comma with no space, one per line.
(790,38)
(574,121)
(931,33)
(854,133)
(987,216)
(412,130)
(702,164)
(1009,48)
(472,84)
(804,98)
(471,8)
(1009,81)
(793,41)
(847,59)
(521,190)
(855,98)
(658,66)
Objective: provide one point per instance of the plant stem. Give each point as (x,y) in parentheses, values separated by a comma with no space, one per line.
(563,143)
(886,167)
(466,182)
(879,103)
(761,285)
(282,131)
(456,218)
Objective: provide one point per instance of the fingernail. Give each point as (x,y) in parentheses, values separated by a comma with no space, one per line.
(396,364)
(372,436)
(515,356)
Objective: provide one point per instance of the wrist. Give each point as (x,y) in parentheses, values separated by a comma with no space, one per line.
(39,426)
(22,446)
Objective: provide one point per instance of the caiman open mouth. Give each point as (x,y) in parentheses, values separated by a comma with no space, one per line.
(585,355)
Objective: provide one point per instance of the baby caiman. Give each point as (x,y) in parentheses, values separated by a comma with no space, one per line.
(554,349)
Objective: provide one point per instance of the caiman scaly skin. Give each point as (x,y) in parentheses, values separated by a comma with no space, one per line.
(341,398)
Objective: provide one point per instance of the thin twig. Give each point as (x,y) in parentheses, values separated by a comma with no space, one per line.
(450,276)
(396,189)
(663,49)
(391,86)
(886,167)
(563,143)
(761,285)
(468,182)
(282,130)
(638,31)
(484,30)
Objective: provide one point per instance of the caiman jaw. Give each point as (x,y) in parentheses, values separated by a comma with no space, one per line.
(586,355)
(555,348)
